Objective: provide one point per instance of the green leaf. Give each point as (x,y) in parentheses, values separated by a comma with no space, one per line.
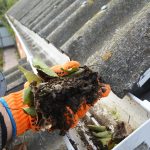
(28,96)
(29,75)
(30,111)
(97,128)
(38,64)
(77,73)
(70,71)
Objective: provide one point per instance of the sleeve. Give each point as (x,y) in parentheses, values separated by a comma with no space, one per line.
(3,132)
(0,138)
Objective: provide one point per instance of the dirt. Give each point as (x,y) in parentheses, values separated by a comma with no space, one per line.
(53,98)
(121,131)
(83,138)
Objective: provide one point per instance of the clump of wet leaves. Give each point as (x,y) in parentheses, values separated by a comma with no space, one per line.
(52,97)
(102,136)
(105,138)
(48,99)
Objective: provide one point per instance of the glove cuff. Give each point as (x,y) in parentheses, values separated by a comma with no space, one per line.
(15,105)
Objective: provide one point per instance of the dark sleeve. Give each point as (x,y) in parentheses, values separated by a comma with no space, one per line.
(3,132)
(0,138)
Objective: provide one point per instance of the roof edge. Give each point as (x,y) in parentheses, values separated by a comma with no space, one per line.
(51,51)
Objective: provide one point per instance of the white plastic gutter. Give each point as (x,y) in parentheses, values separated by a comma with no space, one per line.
(68,144)
(50,50)
(145,104)
(144,78)
(25,48)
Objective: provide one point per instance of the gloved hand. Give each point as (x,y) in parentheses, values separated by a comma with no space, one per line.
(22,122)
(84,108)
(13,104)
(73,118)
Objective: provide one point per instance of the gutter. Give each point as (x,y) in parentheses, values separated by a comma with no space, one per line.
(48,48)
(53,54)
(24,46)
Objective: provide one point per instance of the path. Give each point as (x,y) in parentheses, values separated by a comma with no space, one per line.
(10,58)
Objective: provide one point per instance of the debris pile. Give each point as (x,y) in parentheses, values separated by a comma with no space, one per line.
(55,96)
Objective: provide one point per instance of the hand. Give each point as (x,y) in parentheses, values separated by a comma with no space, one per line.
(17,121)
(84,108)
(22,122)
(73,118)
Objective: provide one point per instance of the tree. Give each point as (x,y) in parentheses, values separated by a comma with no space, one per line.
(5,5)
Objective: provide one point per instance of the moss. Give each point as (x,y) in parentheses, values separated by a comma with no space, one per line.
(106,56)
(90,2)
(115,114)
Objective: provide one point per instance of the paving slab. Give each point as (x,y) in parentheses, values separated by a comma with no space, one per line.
(10,58)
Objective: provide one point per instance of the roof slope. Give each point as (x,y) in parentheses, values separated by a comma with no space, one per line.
(14,77)
(111,35)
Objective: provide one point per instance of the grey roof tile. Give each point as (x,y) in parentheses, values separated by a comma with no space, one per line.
(89,30)
(101,27)
(14,78)
(60,18)
(7,72)
(74,22)
(52,14)
(44,13)
(34,13)
(22,8)
(130,54)
(15,86)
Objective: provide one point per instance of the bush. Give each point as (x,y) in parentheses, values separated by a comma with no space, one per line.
(4,6)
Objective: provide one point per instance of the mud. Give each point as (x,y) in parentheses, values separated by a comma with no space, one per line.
(53,98)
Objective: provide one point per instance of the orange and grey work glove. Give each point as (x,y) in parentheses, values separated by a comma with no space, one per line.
(13,104)
(73,118)
(22,122)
